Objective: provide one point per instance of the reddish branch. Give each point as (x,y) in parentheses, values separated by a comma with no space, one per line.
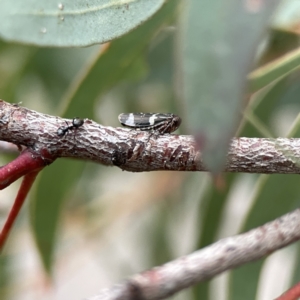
(21,196)
(28,161)
(292,294)
(162,282)
(139,151)
(27,164)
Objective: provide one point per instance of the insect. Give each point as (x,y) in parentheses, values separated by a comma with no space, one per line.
(161,123)
(76,123)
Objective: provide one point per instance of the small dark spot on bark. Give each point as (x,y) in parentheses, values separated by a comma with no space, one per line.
(119,157)
(135,291)
(129,153)
(267,158)
(230,248)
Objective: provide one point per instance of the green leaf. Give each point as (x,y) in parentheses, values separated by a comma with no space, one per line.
(296,275)
(54,183)
(220,41)
(275,70)
(18,58)
(72,22)
(5,276)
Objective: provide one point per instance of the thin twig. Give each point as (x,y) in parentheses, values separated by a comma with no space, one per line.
(28,161)
(292,294)
(24,189)
(162,282)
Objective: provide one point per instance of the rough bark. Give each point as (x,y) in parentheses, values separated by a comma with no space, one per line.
(139,151)
(163,281)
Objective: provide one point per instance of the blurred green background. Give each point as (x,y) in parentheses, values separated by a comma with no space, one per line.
(86,226)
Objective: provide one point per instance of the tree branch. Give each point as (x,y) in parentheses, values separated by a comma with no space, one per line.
(27,182)
(27,162)
(291,294)
(162,282)
(139,151)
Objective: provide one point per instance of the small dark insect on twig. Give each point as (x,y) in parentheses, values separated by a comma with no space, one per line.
(76,123)
(157,122)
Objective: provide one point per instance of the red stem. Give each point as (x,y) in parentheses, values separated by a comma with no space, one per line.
(26,184)
(25,163)
(292,294)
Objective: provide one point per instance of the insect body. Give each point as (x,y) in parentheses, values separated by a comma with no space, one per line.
(76,123)
(161,123)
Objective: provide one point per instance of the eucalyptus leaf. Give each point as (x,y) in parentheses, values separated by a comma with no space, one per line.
(274,70)
(72,22)
(220,39)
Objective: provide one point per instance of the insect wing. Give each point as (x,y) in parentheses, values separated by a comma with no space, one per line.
(135,120)
(126,119)
(142,120)
(163,123)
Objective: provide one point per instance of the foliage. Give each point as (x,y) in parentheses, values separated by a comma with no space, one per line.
(107,224)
